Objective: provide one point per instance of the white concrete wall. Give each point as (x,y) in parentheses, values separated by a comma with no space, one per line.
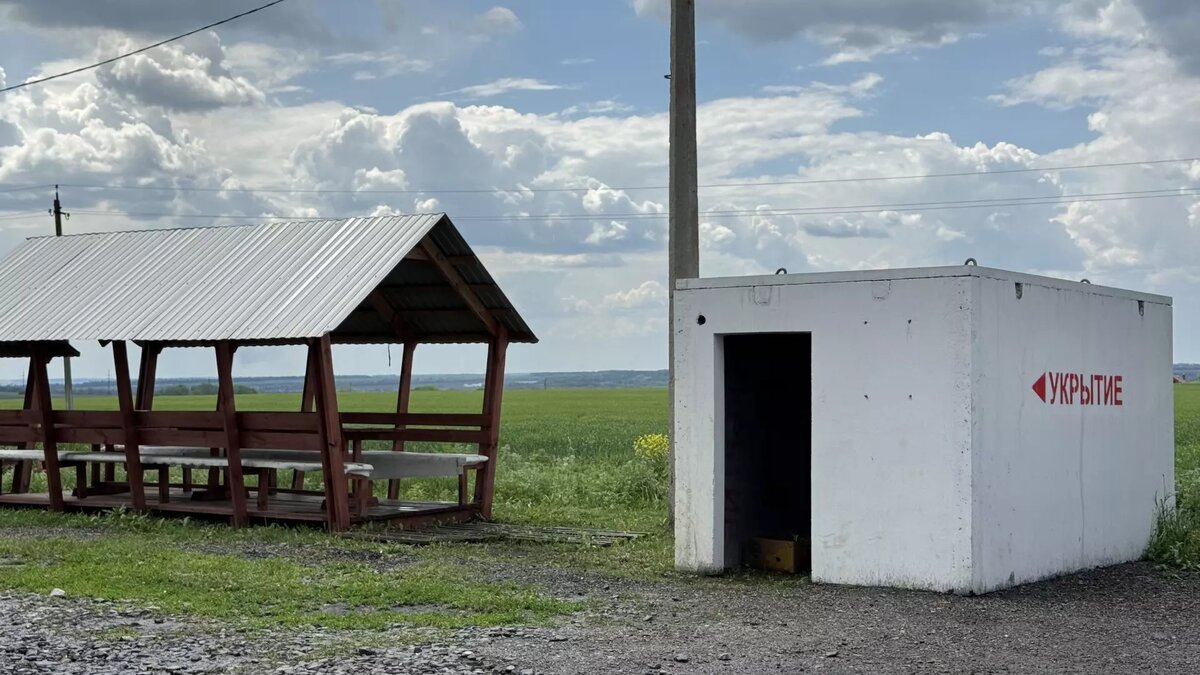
(1064,487)
(934,463)
(890,424)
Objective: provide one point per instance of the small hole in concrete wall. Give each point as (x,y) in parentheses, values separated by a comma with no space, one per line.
(866,397)
(701,320)
(910,397)
(866,322)
(1020,289)
(1141,308)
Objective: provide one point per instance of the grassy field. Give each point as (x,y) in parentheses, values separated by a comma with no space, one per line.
(1177,542)
(566,458)
(566,455)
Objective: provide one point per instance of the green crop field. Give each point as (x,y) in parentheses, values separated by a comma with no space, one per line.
(1177,542)
(1187,433)
(566,456)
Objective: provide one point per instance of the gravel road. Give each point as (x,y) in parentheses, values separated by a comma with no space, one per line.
(1126,619)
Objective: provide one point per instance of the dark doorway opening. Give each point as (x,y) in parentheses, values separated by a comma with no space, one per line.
(768,442)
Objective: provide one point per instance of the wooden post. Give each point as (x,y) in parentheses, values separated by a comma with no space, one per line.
(683,238)
(214,489)
(306,405)
(81,484)
(110,469)
(23,470)
(402,398)
(95,468)
(233,444)
(337,501)
(147,371)
(485,479)
(264,488)
(164,484)
(45,409)
(143,399)
(362,484)
(133,457)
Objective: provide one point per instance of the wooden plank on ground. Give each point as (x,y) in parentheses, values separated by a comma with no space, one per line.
(481,531)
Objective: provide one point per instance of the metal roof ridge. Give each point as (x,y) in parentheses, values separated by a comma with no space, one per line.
(300,221)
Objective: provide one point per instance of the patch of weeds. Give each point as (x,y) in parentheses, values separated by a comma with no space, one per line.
(23,518)
(1176,540)
(647,558)
(262,593)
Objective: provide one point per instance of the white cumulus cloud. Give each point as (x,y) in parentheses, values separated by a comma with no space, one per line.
(504,85)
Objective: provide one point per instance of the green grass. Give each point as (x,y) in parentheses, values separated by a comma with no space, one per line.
(566,458)
(261,592)
(1176,540)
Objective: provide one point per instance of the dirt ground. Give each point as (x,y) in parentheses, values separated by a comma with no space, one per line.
(1125,619)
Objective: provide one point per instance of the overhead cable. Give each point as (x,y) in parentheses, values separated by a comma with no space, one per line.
(1046,200)
(138,51)
(626,188)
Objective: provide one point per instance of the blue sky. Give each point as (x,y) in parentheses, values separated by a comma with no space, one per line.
(523,96)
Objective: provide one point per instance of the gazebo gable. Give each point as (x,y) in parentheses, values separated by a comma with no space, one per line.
(439,292)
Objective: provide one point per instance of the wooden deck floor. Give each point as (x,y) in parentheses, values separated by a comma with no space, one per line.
(282,507)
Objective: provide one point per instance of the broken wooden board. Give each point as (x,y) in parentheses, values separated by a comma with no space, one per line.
(480,531)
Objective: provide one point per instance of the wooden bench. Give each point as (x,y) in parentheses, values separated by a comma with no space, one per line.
(23,455)
(385,464)
(372,465)
(162,458)
(16,457)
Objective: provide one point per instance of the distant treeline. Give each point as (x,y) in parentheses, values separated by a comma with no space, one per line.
(604,379)
(202,389)
(1188,371)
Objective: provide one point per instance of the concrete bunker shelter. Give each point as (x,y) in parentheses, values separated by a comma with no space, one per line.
(956,429)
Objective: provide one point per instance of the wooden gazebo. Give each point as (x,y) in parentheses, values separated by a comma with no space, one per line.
(403,279)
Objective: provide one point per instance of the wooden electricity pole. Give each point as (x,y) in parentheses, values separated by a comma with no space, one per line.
(68,389)
(683,257)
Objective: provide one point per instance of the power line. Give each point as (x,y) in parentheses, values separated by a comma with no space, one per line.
(139,51)
(628,188)
(870,208)
(956,174)
(946,205)
(16,216)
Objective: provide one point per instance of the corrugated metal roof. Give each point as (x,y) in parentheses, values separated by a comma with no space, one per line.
(275,282)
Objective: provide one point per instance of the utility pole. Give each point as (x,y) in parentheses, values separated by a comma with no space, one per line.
(683,245)
(68,389)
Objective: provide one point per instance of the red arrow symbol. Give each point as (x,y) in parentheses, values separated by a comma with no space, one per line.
(1039,387)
